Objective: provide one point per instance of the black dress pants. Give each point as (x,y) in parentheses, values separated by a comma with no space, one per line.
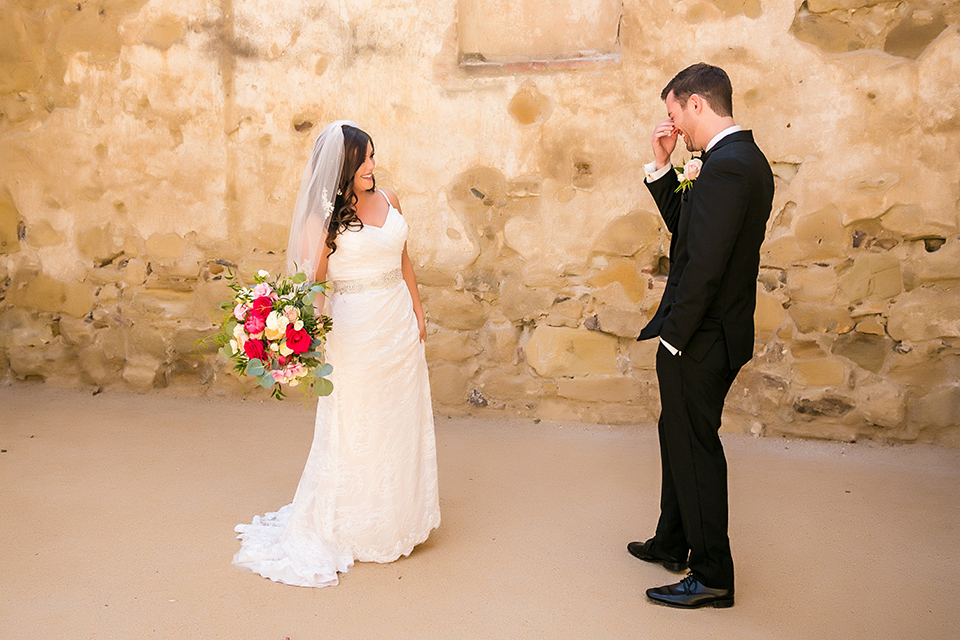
(693,495)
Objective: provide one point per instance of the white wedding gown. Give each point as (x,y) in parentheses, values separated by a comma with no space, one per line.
(369,490)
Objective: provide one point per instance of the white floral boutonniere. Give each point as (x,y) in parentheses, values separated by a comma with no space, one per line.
(687,174)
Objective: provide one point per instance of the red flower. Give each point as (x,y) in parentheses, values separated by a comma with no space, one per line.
(255,349)
(298,340)
(262,307)
(254,323)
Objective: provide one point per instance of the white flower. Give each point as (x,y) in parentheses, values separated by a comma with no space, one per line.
(691,170)
(263,274)
(234,346)
(298,325)
(284,349)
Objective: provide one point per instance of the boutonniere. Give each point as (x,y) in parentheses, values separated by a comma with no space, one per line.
(687,174)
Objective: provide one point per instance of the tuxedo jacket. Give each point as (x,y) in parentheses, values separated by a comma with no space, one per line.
(718,226)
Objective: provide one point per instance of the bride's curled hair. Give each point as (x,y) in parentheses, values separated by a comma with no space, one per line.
(344,215)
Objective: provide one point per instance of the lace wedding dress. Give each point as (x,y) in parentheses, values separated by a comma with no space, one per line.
(369,490)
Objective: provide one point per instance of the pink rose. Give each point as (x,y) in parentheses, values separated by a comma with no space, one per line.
(262,290)
(262,307)
(240,311)
(692,169)
(298,340)
(255,349)
(254,324)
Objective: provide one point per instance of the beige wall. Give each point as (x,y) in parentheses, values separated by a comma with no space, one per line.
(145,146)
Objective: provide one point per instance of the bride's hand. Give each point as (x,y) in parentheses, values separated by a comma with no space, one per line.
(664,141)
(423,328)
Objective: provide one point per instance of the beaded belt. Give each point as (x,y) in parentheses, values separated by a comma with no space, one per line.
(381,281)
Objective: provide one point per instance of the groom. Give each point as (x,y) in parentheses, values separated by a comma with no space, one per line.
(717,217)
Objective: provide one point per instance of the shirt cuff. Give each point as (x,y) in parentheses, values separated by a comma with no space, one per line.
(672,349)
(654,174)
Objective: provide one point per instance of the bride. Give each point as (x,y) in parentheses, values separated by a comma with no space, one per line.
(369,490)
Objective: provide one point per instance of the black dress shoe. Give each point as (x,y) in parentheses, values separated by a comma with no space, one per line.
(690,593)
(646,552)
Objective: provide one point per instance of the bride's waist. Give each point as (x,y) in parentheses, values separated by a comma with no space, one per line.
(382,280)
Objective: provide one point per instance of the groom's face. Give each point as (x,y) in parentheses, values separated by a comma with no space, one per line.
(684,119)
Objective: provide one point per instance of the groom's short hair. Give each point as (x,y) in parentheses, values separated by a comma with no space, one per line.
(709,82)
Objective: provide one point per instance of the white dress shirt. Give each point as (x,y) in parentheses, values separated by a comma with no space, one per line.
(653,174)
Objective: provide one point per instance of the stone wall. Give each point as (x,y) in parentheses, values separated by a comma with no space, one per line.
(148,146)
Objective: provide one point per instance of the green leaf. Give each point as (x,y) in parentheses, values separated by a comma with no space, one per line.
(255,368)
(323,370)
(310,298)
(226,353)
(299,278)
(266,380)
(322,387)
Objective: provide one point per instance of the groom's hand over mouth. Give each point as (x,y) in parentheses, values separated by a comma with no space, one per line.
(664,141)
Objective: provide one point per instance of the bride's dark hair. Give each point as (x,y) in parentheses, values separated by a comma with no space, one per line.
(344,215)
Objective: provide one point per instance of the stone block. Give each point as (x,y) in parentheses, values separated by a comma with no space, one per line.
(917,368)
(768,315)
(43,293)
(135,272)
(450,346)
(19,328)
(146,339)
(98,243)
(630,234)
(625,323)
(819,373)
(504,387)
(557,320)
(882,403)
(600,389)
(166,246)
(95,367)
(450,383)
(867,351)
(570,308)
(820,235)
(938,409)
(559,351)
(811,317)
(141,372)
(454,310)
(501,344)
(872,325)
(624,272)
(757,393)
(76,331)
(9,224)
(42,234)
(925,314)
(518,302)
(875,276)
(643,354)
(942,264)
(812,283)
(43,361)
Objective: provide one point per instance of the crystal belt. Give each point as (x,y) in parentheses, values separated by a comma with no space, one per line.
(380,281)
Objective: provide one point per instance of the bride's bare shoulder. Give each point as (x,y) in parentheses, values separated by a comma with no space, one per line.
(394,200)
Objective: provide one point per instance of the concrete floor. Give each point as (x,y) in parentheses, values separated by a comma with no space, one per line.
(118,515)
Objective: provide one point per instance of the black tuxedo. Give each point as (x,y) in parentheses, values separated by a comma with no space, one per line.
(706,312)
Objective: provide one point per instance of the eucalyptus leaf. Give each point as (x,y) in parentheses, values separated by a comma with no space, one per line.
(255,367)
(322,387)
(309,298)
(299,278)
(225,352)
(323,370)
(266,380)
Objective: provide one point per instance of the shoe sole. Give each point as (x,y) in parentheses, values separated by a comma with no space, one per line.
(716,604)
(676,567)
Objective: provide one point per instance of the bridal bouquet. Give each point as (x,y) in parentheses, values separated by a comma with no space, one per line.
(270,331)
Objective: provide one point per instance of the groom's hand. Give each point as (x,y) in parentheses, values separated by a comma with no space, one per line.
(664,141)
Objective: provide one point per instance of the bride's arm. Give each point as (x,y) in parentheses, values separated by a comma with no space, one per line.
(409,276)
(320,275)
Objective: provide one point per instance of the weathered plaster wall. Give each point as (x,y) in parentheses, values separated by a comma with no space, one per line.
(145,146)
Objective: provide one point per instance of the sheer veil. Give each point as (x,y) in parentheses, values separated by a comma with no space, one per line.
(315,200)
